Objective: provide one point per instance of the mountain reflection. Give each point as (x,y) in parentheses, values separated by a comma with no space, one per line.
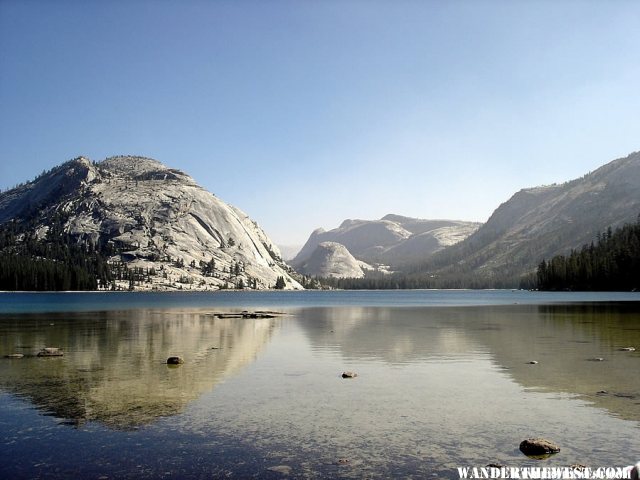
(565,340)
(114,370)
(396,336)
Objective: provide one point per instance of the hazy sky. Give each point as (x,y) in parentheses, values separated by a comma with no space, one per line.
(305,113)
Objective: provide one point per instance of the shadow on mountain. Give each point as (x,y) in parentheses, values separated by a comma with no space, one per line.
(114,369)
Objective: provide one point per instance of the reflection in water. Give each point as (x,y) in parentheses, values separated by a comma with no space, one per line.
(114,369)
(564,340)
(395,336)
(435,390)
(438,388)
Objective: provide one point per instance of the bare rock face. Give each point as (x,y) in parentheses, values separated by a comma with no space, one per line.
(331,259)
(154,218)
(394,239)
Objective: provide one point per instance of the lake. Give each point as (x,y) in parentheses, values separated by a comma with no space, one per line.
(444,381)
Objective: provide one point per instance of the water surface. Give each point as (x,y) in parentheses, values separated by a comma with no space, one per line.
(444,380)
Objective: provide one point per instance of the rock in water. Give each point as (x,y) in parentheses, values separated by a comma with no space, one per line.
(282,469)
(50,352)
(538,446)
(349,375)
(175,360)
(14,355)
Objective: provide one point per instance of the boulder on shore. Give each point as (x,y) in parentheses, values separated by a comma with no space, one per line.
(538,446)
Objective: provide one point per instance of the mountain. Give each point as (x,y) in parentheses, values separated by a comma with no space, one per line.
(148,219)
(392,240)
(288,252)
(331,259)
(538,223)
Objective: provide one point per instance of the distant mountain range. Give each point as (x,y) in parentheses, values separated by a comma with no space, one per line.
(392,240)
(534,224)
(145,216)
(160,230)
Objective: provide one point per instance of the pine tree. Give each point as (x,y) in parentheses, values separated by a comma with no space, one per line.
(280,283)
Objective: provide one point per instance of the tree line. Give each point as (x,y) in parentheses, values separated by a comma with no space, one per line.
(611,264)
(51,261)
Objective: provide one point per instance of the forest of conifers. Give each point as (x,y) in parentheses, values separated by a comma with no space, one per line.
(51,263)
(612,263)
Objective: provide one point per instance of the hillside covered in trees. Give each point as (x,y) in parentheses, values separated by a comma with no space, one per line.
(52,262)
(613,263)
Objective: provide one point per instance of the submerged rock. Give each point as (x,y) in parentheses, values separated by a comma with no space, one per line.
(533,362)
(538,446)
(624,395)
(50,352)
(14,355)
(175,360)
(596,359)
(628,349)
(349,375)
(283,469)
(247,314)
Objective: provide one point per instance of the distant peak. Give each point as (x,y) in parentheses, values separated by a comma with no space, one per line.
(392,217)
(350,223)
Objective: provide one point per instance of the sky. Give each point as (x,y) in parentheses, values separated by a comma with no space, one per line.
(306,113)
